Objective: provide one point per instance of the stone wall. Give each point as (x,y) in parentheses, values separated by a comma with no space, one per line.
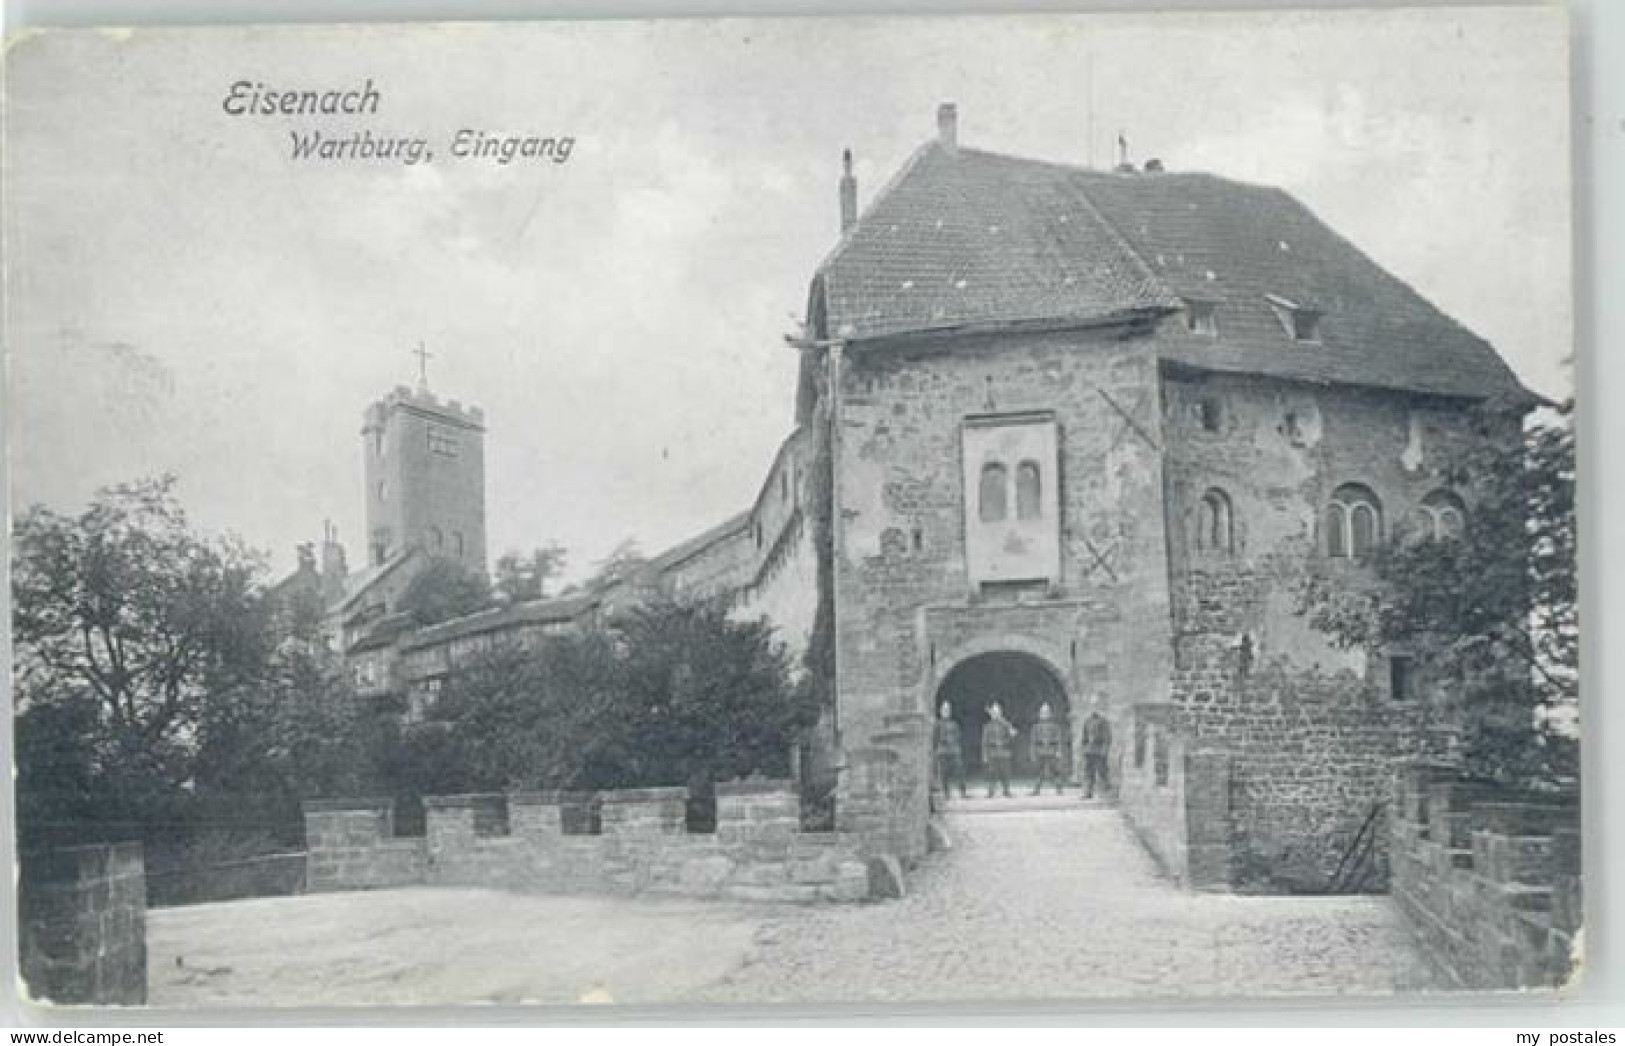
(83,925)
(1312,730)
(351,844)
(527,841)
(1490,881)
(906,606)
(1176,797)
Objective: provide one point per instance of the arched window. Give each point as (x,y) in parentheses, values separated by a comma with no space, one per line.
(1029,488)
(1214,532)
(1353,522)
(457,542)
(991,498)
(1441,516)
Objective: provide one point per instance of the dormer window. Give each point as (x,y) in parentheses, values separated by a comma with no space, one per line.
(1300,321)
(1201,317)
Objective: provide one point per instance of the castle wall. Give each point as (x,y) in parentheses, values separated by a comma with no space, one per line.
(767,563)
(1490,881)
(1312,730)
(528,841)
(907,605)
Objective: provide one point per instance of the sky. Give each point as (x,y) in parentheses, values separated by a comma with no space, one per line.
(182,296)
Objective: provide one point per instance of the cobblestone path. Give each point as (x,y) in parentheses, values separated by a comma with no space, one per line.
(1065,903)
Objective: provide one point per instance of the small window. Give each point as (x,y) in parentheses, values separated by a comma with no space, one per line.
(437,540)
(1214,531)
(991,507)
(1302,323)
(1029,489)
(1201,317)
(1353,522)
(1211,413)
(383,491)
(1401,678)
(378,443)
(457,543)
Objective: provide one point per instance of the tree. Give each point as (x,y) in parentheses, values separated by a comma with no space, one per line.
(442,590)
(675,694)
(521,576)
(1492,614)
(125,606)
(622,564)
(162,692)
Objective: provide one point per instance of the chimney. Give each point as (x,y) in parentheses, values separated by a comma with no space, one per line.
(334,569)
(948,126)
(849,193)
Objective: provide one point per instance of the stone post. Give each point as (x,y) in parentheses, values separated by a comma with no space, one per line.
(83,925)
(1207,818)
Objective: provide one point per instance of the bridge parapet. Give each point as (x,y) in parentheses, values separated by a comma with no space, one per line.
(1488,877)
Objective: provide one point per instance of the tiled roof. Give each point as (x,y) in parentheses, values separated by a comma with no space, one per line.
(964,239)
(552,610)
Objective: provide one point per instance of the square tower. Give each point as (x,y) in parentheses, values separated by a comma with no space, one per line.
(425,477)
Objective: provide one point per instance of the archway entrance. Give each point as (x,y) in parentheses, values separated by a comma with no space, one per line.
(1021,684)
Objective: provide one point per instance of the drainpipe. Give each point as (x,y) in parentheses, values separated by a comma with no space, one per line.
(837,353)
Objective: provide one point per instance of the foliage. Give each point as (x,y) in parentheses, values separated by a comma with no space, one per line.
(1492,616)
(522,576)
(622,563)
(442,590)
(127,625)
(163,693)
(675,694)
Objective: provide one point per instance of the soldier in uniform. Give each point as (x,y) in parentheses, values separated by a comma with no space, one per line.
(998,738)
(1049,741)
(1097,744)
(949,747)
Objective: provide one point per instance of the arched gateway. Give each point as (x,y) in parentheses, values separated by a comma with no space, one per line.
(1021,683)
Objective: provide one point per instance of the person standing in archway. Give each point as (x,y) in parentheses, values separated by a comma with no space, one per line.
(1049,740)
(998,742)
(1097,744)
(949,746)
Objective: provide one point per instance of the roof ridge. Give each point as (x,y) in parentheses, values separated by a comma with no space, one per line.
(891,185)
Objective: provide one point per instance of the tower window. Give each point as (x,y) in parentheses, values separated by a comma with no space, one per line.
(991,505)
(1029,488)
(437,540)
(1201,317)
(1353,522)
(442,442)
(457,543)
(1401,682)
(383,491)
(1214,531)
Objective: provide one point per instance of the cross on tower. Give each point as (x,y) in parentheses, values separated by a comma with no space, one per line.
(424,356)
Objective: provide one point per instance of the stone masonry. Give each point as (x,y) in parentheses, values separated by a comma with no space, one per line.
(1489,880)
(529,841)
(83,925)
